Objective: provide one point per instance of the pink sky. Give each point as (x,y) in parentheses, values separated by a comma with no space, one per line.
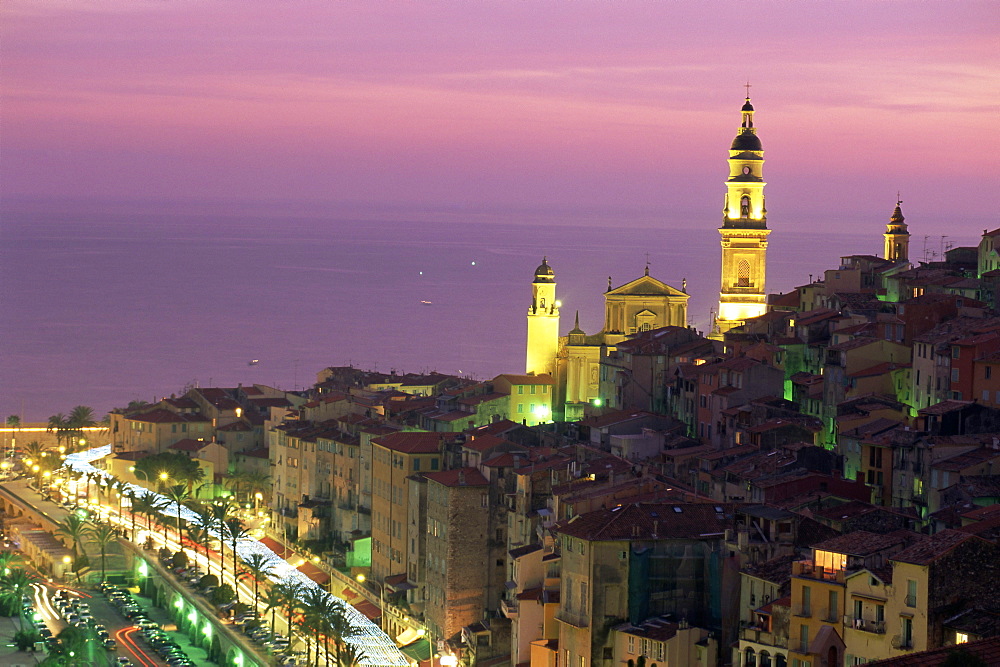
(520,110)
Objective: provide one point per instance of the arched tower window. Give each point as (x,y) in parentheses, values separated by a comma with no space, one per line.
(745,206)
(743,274)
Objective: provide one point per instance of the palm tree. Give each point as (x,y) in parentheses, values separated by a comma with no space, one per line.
(236,532)
(274,599)
(178,494)
(103,535)
(58,423)
(260,568)
(133,497)
(75,529)
(316,606)
(15,423)
(150,504)
(14,583)
(339,626)
(290,591)
(8,559)
(205,524)
(79,418)
(221,512)
(351,655)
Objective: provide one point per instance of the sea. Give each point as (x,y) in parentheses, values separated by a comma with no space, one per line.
(99,309)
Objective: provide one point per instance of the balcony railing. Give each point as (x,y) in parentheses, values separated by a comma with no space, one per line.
(574,619)
(508,608)
(911,600)
(865,625)
(804,611)
(759,636)
(806,568)
(902,643)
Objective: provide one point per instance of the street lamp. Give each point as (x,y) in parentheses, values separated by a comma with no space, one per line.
(381,599)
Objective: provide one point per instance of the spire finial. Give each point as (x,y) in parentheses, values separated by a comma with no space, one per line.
(609,283)
(576,322)
(747,86)
(898,200)
(647,263)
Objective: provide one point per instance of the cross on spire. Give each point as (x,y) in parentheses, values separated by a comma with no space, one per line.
(898,200)
(747,86)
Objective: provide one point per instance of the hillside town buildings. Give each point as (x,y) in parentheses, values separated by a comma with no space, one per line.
(813,483)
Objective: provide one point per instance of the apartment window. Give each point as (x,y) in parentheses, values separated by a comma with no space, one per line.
(961,638)
(955,351)
(645,646)
(806,600)
(988,372)
(631,644)
(532,389)
(520,388)
(954,375)
(416,465)
(434,464)
(831,612)
(907,632)
(520,407)
(911,593)
(803,638)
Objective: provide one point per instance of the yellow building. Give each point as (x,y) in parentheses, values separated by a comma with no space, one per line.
(574,360)
(819,593)
(394,458)
(530,397)
(744,231)
(897,237)
(543,322)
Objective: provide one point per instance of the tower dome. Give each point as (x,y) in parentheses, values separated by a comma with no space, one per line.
(544,272)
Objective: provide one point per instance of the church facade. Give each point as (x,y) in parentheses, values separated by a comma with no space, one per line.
(574,360)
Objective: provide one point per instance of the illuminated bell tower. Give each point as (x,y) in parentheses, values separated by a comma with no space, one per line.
(897,238)
(744,231)
(543,322)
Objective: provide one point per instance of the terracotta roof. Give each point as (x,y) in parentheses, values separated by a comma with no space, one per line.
(482,442)
(458,477)
(235,427)
(933,547)
(413,442)
(657,629)
(650,521)
(987,650)
(615,417)
(527,379)
(189,445)
(860,543)
(161,416)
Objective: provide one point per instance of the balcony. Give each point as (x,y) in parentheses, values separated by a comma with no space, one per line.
(574,619)
(902,643)
(911,600)
(759,636)
(829,616)
(864,625)
(508,608)
(806,569)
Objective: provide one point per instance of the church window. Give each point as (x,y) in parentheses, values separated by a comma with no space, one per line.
(645,326)
(743,274)
(746,170)
(744,206)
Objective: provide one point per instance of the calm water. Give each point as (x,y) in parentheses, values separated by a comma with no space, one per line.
(103,311)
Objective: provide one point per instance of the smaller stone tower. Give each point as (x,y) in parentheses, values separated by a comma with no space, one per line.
(543,322)
(897,238)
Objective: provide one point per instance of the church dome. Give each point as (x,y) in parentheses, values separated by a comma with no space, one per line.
(747,106)
(746,141)
(544,272)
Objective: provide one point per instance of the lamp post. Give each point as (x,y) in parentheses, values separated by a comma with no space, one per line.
(381,600)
